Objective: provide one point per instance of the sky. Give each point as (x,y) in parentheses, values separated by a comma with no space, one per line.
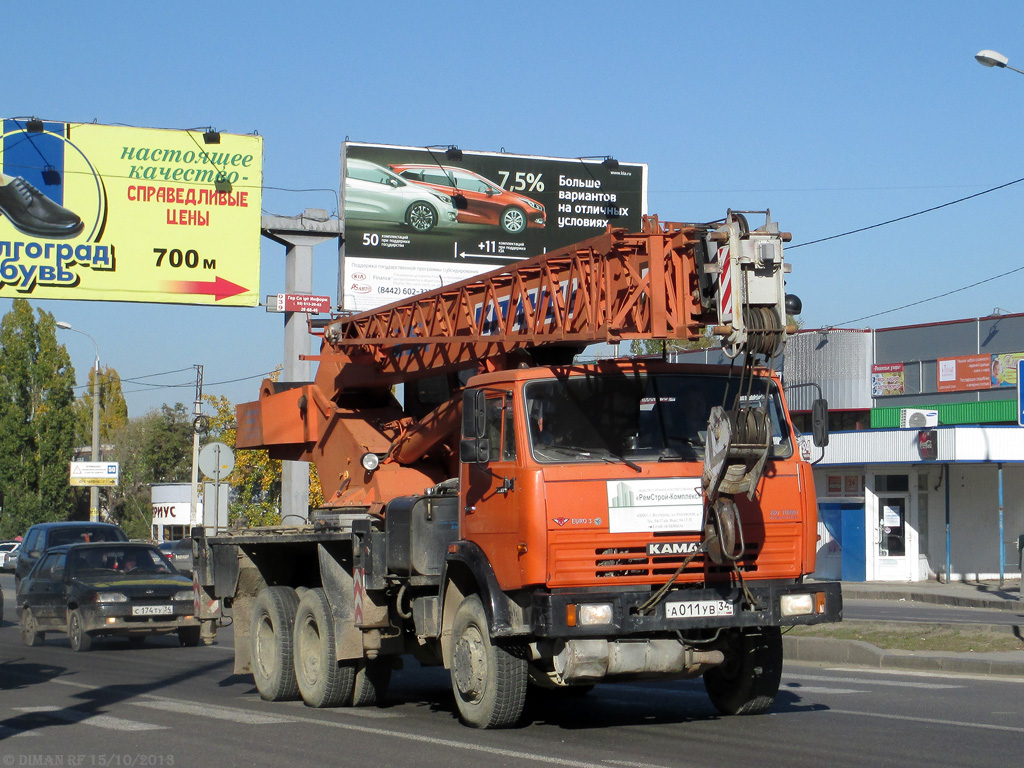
(835,116)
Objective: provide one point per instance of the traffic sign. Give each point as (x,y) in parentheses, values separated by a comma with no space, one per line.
(299,302)
(1020,400)
(94,472)
(216,460)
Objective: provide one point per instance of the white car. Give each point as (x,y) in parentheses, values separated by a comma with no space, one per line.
(373,194)
(8,554)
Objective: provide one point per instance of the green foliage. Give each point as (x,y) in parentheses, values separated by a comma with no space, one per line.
(154,448)
(650,347)
(37,424)
(113,408)
(255,480)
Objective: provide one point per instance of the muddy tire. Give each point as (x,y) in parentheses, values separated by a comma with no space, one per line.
(81,640)
(30,634)
(322,681)
(371,683)
(488,677)
(270,643)
(748,681)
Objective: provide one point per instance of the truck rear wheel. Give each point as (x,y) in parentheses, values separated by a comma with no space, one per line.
(322,681)
(488,677)
(748,681)
(270,643)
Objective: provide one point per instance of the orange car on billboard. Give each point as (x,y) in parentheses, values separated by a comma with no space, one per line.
(478,200)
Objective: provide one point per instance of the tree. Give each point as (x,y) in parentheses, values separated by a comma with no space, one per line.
(660,346)
(113,408)
(37,424)
(154,448)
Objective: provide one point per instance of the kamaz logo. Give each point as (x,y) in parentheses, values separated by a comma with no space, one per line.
(673,548)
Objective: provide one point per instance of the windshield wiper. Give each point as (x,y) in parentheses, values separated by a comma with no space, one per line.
(614,458)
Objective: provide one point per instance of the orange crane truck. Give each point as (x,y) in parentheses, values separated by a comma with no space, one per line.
(525,520)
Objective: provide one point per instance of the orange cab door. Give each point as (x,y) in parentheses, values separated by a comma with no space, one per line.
(493,493)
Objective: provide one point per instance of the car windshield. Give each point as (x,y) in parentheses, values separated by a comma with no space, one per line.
(645,417)
(78,534)
(121,560)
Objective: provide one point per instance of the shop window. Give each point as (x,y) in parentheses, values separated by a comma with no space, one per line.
(892,484)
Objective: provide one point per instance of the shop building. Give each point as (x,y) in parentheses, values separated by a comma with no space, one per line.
(923,476)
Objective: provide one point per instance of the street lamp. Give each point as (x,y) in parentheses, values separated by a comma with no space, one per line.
(995,59)
(94,491)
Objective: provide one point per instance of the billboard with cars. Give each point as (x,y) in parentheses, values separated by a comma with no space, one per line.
(418,218)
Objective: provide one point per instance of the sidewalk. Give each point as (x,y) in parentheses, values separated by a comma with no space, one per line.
(978,594)
(987,595)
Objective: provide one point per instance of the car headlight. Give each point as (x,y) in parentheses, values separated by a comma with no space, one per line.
(110,597)
(535,206)
(185,594)
(443,198)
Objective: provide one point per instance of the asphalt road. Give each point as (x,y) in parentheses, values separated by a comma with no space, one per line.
(925,613)
(162,705)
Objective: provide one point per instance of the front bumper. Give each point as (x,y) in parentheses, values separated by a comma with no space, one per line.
(117,619)
(552,613)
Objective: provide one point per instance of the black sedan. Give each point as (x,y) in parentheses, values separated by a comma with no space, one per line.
(107,588)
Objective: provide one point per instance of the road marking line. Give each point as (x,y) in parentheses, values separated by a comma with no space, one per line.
(868,681)
(540,759)
(924,673)
(70,715)
(801,689)
(215,711)
(928,720)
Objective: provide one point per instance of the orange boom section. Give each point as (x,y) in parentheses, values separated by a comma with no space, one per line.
(613,287)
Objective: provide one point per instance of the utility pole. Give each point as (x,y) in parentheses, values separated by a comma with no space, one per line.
(198,426)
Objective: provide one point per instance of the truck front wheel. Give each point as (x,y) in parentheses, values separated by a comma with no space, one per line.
(488,677)
(322,681)
(748,681)
(270,643)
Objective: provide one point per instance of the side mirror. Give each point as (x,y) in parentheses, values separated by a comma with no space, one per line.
(819,422)
(474,450)
(473,414)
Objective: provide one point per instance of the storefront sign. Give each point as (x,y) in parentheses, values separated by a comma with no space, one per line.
(887,379)
(958,374)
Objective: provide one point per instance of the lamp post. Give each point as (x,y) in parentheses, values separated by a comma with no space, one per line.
(995,59)
(94,491)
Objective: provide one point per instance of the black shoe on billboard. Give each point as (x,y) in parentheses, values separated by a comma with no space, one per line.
(33,213)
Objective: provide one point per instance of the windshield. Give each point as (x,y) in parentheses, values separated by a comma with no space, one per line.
(116,560)
(648,417)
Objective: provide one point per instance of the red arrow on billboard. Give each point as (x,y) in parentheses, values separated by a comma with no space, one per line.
(219,288)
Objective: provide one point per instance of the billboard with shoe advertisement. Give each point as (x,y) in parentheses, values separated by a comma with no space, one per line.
(417,218)
(114,213)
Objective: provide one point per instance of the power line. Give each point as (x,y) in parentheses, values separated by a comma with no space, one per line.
(908,216)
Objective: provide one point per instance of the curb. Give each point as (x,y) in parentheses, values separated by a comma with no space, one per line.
(958,601)
(826,650)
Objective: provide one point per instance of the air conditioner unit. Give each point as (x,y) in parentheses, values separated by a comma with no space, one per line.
(918,417)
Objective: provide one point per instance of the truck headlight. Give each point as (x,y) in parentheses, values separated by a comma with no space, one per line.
(800,604)
(593,614)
